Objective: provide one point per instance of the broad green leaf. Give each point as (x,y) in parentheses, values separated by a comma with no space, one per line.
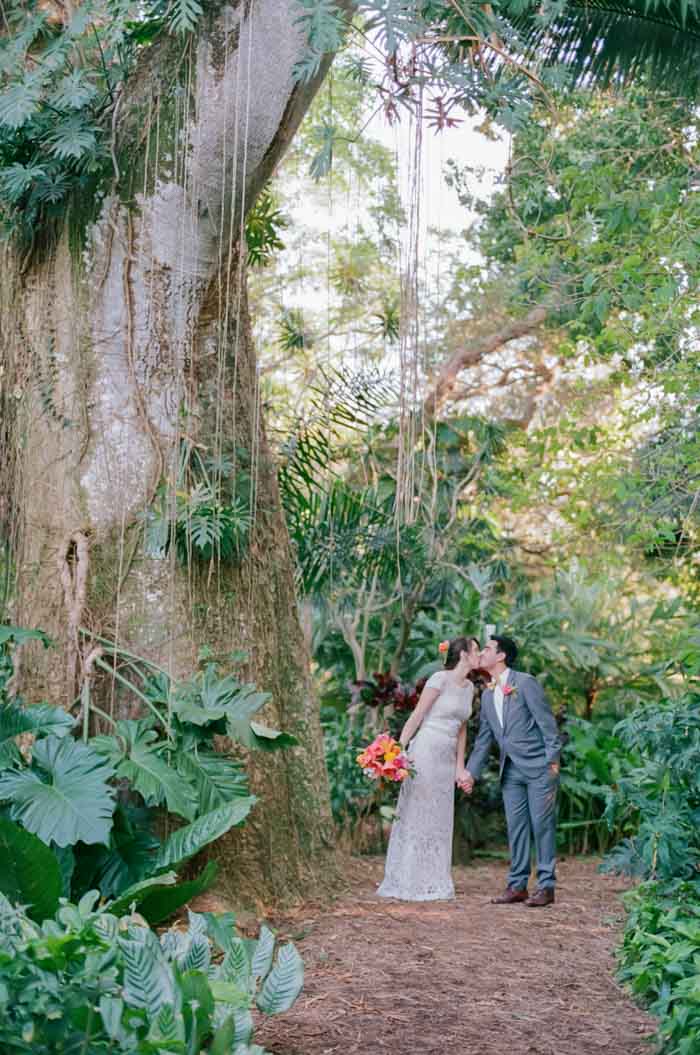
(243,1021)
(228,993)
(268,739)
(135,751)
(72,138)
(216,778)
(167,1030)
(74,91)
(134,895)
(18,103)
(236,964)
(183,15)
(70,801)
(20,636)
(284,982)
(223,1039)
(147,980)
(39,719)
(264,952)
(30,874)
(197,1006)
(160,903)
(188,841)
(111,1011)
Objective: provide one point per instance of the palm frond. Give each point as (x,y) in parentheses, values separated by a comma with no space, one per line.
(604,42)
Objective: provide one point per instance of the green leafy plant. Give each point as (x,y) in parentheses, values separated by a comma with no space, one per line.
(62,73)
(207,516)
(659,960)
(88,980)
(63,790)
(658,789)
(262,229)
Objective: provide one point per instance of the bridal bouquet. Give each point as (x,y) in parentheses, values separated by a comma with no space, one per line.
(384,759)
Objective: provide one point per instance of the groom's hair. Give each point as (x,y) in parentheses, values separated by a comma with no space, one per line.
(457,646)
(508,647)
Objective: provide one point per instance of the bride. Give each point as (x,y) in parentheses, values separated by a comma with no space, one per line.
(419,858)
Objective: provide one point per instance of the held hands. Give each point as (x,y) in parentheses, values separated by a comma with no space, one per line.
(554,769)
(465,781)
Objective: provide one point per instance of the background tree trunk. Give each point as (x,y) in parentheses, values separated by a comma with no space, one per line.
(127,334)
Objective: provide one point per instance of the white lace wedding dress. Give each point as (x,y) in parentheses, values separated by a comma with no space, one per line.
(419,858)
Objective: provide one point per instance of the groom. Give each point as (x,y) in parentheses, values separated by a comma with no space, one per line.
(515,715)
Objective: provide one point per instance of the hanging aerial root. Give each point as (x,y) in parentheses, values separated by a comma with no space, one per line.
(73,564)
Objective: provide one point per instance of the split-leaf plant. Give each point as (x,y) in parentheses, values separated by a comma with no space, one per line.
(93,800)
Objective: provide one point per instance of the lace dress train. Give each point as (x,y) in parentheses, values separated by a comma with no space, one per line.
(419,859)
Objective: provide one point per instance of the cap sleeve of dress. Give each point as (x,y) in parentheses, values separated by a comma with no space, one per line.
(436,680)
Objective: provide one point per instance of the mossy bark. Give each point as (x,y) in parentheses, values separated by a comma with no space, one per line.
(116,344)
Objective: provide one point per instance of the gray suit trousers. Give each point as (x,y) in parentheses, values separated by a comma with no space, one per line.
(530,805)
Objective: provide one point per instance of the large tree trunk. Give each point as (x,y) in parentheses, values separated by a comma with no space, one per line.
(127,335)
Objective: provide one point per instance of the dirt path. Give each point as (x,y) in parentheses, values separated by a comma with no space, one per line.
(465,976)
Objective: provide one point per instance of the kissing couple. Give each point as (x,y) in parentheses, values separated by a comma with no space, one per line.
(517,719)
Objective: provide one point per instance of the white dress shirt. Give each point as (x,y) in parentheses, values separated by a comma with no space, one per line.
(498,694)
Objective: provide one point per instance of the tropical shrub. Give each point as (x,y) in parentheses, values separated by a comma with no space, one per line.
(660,959)
(659,791)
(593,760)
(88,980)
(94,801)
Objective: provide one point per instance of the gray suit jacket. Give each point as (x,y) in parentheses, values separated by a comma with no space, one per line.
(529,735)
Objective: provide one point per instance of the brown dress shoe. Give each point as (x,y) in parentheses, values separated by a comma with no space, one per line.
(510,897)
(540,898)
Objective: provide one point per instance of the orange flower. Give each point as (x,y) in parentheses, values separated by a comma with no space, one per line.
(444,646)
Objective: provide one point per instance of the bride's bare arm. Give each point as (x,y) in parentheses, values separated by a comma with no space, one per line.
(426,701)
(461,752)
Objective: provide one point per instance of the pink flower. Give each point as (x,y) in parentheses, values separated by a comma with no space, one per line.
(509,690)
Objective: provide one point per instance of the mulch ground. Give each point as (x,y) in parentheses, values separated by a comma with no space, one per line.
(464,976)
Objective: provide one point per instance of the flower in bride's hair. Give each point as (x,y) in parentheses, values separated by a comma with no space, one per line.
(444,646)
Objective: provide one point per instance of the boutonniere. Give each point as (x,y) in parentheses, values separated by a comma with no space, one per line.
(510,690)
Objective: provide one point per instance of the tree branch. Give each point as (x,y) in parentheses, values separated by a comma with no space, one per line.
(473,354)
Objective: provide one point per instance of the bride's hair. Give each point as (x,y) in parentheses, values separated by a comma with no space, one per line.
(457,646)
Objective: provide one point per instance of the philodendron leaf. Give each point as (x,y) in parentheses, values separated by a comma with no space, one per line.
(284,982)
(69,800)
(161,902)
(19,635)
(134,895)
(267,739)
(30,874)
(39,719)
(216,778)
(241,727)
(188,841)
(136,753)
